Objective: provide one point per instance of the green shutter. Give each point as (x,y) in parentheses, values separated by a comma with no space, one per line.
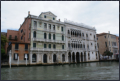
(49,45)
(44,45)
(49,36)
(34,44)
(62,46)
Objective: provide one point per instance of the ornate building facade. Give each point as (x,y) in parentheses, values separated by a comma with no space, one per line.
(52,41)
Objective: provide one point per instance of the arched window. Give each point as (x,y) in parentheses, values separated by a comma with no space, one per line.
(49,36)
(45,36)
(54,58)
(68,32)
(62,38)
(34,58)
(34,34)
(71,33)
(45,58)
(83,34)
(74,45)
(63,57)
(53,36)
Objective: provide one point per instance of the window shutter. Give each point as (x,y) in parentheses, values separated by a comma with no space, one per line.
(14,56)
(27,56)
(24,57)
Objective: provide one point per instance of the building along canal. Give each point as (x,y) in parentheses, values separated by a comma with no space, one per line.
(79,71)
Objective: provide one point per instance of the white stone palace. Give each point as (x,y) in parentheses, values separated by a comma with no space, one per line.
(53,41)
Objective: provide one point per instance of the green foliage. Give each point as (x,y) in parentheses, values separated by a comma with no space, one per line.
(3,40)
(107,53)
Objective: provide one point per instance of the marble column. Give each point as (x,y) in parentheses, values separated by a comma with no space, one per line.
(30,57)
(71,56)
(42,58)
(83,56)
(38,58)
(75,56)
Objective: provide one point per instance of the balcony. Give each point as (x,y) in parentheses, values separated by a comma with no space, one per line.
(83,38)
(13,38)
(70,48)
(84,49)
(69,35)
(35,28)
(87,38)
(88,49)
(48,40)
(115,46)
(96,49)
(46,49)
(95,40)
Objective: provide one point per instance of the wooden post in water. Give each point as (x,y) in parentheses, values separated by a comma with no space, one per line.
(10,58)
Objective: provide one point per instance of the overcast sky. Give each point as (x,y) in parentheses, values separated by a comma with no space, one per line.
(103,15)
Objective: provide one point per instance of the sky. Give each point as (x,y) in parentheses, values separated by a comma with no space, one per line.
(103,15)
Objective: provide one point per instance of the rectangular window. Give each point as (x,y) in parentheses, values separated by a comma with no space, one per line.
(15,56)
(10,36)
(54,46)
(26,56)
(62,38)
(62,46)
(21,37)
(21,30)
(50,26)
(29,35)
(26,46)
(53,27)
(61,28)
(53,18)
(98,45)
(35,23)
(34,45)
(15,37)
(45,25)
(49,45)
(53,36)
(106,44)
(49,36)
(44,45)
(105,36)
(16,46)
(44,16)
(109,42)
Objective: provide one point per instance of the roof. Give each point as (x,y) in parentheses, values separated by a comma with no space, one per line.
(49,12)
(104,34)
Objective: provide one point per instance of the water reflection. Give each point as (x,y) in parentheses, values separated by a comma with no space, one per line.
(80,71)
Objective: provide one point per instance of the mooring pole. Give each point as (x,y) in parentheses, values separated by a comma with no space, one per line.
(18,60)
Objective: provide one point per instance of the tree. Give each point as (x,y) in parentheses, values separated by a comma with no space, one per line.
(3,41)
(107,53)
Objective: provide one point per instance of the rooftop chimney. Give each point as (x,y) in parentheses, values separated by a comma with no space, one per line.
(109,32)
(28,12)
(59,20)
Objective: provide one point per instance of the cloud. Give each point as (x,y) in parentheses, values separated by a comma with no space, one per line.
(104,15)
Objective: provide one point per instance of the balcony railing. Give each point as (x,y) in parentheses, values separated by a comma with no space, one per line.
(83,38)
(88,49)
(46,49)
(48,40)
(87,38)
(13,38)
(84,49)
(35,28)
(69,35)
(115,46)
(95,40)
(96,49)
(70,48)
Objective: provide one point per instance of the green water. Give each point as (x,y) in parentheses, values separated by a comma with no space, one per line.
(80,71)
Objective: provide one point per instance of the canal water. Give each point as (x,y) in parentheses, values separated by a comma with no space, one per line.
(80,71)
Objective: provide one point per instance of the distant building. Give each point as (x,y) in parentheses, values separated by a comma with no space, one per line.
(107,41)
(50,41)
